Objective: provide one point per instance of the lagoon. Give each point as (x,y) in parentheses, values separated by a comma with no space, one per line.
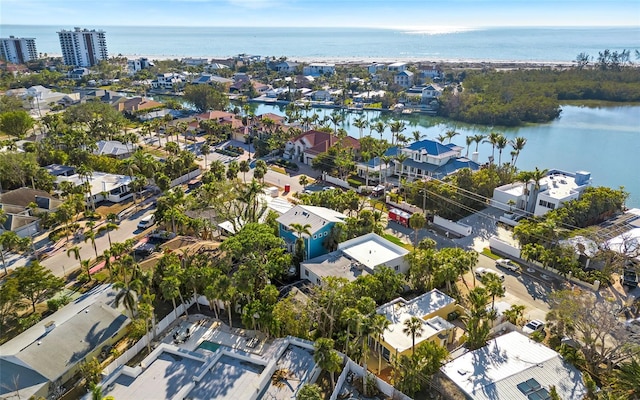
(602,140)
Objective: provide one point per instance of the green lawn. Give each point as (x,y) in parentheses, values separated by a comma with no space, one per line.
(397,241)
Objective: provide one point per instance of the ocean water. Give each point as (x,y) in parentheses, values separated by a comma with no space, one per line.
(491,44)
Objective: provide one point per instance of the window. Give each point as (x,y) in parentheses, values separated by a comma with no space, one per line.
(315,237)
(397,268)
(547,204)
(306,272)
(318,281)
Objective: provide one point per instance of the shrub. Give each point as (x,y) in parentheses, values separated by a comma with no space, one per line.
(54,304)
(538,336)
(27,322)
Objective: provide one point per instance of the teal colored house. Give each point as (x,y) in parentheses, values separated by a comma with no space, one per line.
(320,221)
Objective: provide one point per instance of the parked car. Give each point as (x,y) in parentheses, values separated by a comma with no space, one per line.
(147,221)
(328,188)
(507,264)
(481,272)
(533,326)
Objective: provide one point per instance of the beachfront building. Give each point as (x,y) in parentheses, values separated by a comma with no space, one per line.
(554,189)
(431,159)
(355,257)
(317,69)
(18,50)
(432,308)
(194,62)
(83,47)
(397,67)
(514,367)
(320,221)
(139,64)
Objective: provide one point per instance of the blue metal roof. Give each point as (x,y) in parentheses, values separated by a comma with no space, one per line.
(432,147)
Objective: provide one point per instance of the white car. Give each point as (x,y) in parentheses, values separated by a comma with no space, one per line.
(507,264)
(533,326)
(480,272)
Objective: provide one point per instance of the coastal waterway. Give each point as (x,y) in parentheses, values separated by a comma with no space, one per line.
(602,140)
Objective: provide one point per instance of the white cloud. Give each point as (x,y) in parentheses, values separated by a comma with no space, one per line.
(253,4)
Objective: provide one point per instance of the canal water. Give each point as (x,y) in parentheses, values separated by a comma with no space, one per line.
(602,140)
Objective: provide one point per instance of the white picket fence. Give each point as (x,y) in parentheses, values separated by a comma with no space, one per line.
(142,343)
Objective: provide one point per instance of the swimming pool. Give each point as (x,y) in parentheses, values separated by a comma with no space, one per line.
(211,346)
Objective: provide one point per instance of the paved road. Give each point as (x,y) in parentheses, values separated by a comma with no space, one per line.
(61,264)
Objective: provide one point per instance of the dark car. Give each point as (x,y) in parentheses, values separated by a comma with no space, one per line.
(160,237)
(144,250)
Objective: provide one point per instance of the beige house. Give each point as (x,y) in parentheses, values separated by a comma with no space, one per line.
(432,308)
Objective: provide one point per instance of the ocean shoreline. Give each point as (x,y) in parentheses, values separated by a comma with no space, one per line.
(360,61)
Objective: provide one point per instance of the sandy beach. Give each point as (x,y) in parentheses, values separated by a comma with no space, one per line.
(450,63)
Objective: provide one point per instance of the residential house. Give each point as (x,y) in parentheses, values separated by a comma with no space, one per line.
(514,367)
(556,188)
(404,79)
(375,67)
(397,67)
(114,148)
(432,72)
(376,168)
(102,186)
(241,86)
(428,158)
(139,64)
(167,81)
(215,66)
(134,105)
(238,129)
(247,59)
(321,95)
(320,221)
(208,79)
(424,94)
(355,257)
(194,62)
(285,67)
(432,308)
(318,69)
(19,219)
(41,97)
(78,73)
(308,145)
(36,363)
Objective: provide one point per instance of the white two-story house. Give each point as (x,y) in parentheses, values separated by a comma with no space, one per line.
(404,79)
(167,81)
(317,69)
(427,158)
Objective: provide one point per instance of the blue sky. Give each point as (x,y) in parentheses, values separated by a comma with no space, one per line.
(436,15)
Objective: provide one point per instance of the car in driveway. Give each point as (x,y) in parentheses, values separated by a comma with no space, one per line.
(507,264)
(533,326)
(482,272)
(328,188)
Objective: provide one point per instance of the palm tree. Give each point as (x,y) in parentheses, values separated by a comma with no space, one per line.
(386,160)
(303,181)
(493,139)
(205,150)
(413,327)
(450,134)
(244,167)
(417,221)
(518,144)
(441,138)
(91,235)
(514,314)
(626,379)
(127,295)
(75,250)
(401,158)
(378,127)
(310,391)
(351,317)
(299,230)
(478,138)
(536,176)
(336,118)
(501,143)
(417,135)
(170,288)
(396,127)
(379,324)
(327,358)
(361,123)
(469,140)
(494,286)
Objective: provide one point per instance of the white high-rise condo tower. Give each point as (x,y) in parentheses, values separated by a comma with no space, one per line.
(83,47)
(18,50)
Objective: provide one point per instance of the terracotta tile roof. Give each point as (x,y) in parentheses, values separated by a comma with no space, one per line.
(321,141)
(214,115)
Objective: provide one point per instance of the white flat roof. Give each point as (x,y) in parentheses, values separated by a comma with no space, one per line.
(495,370)
(100,181)
(372,250)
(400,310)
